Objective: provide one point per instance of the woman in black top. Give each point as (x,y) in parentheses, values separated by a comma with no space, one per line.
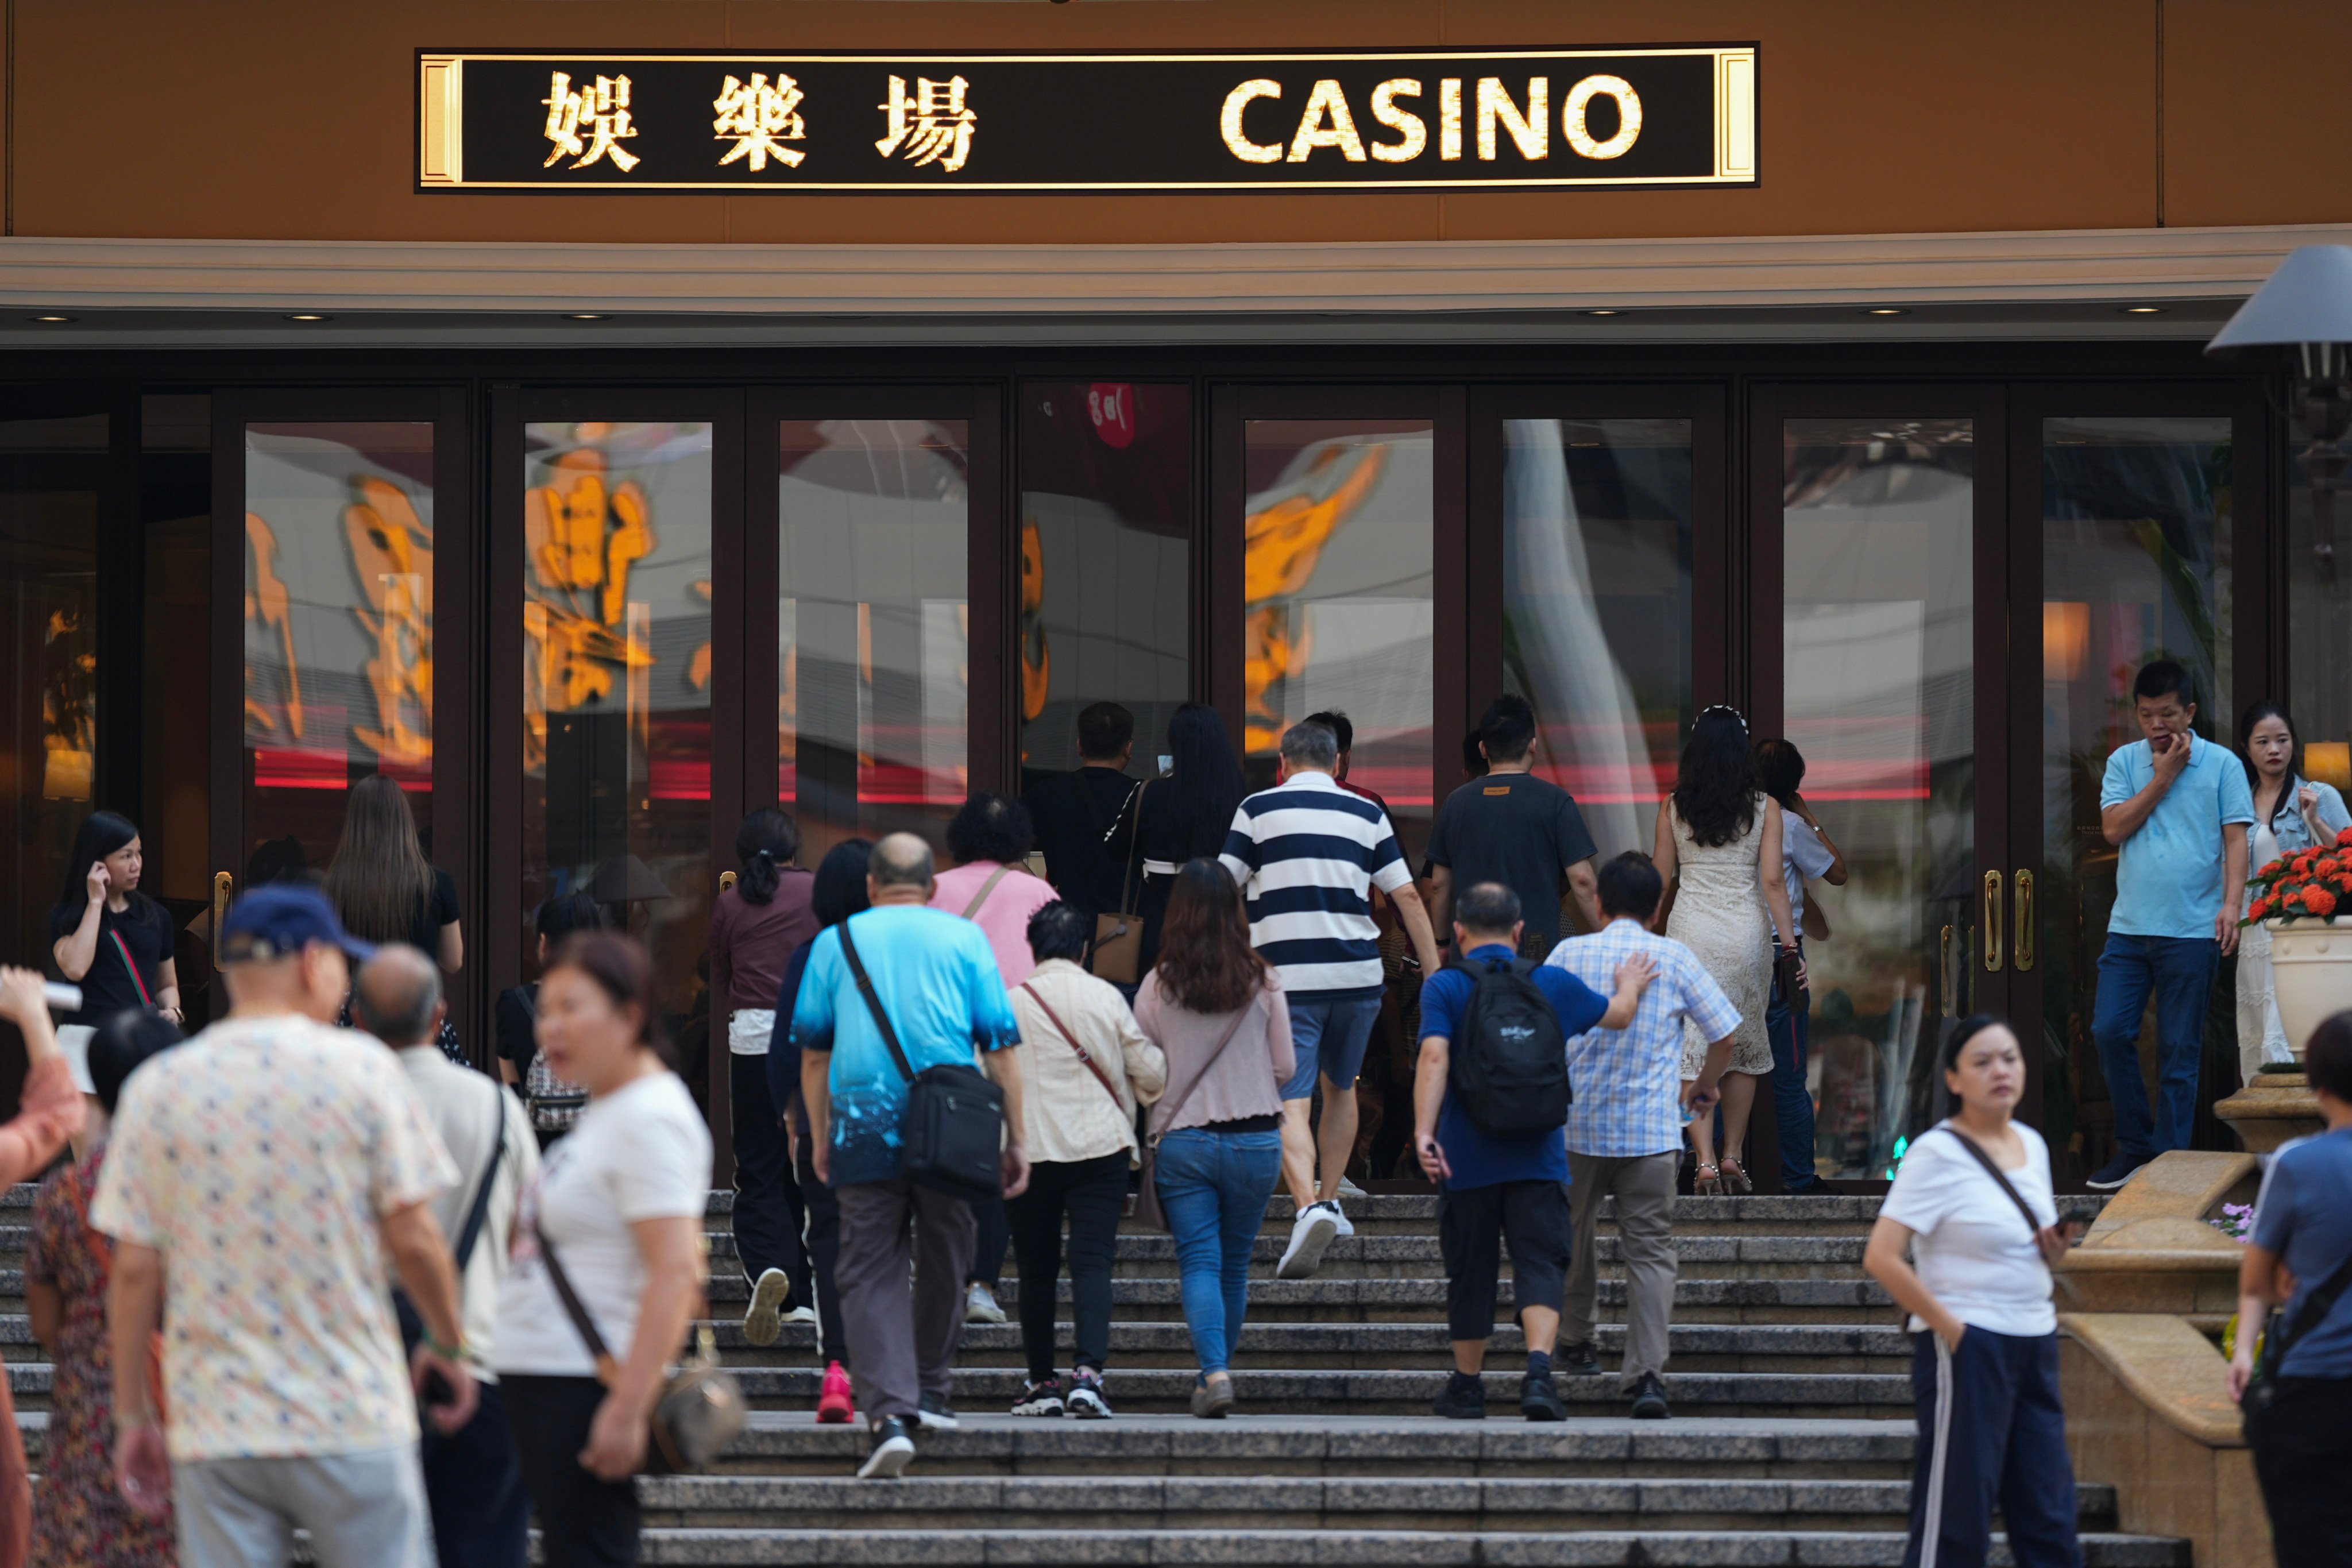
(1181,817)
(108,937)
(382,885)
(555,1105)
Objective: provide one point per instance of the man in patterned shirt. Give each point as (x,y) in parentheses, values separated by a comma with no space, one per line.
(262,1173)
(1625,1125)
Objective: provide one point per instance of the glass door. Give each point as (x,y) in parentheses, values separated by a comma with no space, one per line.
(1878,649)
(341,595)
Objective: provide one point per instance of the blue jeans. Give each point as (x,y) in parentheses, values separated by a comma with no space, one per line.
(1329,1038)
(2178,971)
(1213,1186)
(1791,1031)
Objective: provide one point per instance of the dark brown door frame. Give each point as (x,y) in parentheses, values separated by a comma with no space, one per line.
(1220,570)
(511,409)
(457,821)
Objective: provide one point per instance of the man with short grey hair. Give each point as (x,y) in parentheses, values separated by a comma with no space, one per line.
(933,975)
(1307,855)
(481,1515)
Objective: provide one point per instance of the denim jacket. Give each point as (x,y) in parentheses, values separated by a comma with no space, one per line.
(2294,833)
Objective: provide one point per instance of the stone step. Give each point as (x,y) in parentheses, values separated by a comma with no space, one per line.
(1696,1347)
(1735,1256)
(1056,1503)
(1423,1300)
(1322,1548)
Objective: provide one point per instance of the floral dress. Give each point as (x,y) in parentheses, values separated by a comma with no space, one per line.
(80,1520)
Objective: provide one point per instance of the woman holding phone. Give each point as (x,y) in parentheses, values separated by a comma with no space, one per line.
(1972,1204)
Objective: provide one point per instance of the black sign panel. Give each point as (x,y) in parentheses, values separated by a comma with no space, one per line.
(1521,119)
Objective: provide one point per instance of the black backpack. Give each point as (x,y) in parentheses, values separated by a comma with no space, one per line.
(1510,1064)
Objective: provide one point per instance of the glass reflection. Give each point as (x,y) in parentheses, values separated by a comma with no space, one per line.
(338,630)
(2319,608)
(51,473)
(873,625)
(1877,642)
(2135,566)
(1337,598)
(1597,521)
(616,685)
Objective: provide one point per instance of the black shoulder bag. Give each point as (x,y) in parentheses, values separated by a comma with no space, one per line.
(2262,1387)
(952,1139)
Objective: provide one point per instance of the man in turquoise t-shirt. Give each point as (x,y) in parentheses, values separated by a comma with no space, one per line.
(2178,809)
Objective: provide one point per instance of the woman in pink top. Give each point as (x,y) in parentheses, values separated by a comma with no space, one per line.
(990,838)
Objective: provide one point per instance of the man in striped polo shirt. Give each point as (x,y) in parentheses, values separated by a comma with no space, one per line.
(1307,855)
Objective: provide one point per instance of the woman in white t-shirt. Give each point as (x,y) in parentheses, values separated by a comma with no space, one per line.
(619,1203)
(1984,1371)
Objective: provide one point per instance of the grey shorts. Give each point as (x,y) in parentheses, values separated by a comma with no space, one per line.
(361,1510)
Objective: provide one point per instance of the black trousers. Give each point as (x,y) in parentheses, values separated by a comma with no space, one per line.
(1990,1430)
(2303,1455)
(824,1239)
(768,1216)
(481,1514)
(1090,1193)
(990,1229)
(584,1523)
(1474,1226)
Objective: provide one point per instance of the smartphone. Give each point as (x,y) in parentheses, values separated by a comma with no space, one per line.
(1167,766)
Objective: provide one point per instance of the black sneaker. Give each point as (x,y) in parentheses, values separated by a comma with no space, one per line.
(893,1447)
(1043,1398)
(935,1416)
(2115,1173)
(1650,1399)
(1576,1361)
(1540,1401)
(1465,1399)
(1088,1402)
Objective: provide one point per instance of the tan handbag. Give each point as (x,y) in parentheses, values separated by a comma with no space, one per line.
(1117,954)
(1148,1212)
(701,1408)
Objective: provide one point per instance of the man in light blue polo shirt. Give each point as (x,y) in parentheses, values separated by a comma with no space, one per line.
(2178,808)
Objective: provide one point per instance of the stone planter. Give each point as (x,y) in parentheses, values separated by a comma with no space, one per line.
(2311,965)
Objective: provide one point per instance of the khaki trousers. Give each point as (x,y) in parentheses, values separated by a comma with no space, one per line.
(1643,1186)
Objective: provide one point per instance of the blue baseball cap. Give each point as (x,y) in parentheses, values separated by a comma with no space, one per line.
(278,920)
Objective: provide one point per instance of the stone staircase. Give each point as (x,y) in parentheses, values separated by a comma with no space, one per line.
(1790,1443)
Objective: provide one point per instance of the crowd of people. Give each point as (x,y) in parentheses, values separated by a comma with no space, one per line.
(1168,1029)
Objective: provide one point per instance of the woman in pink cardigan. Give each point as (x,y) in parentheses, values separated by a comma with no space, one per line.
(49,1113)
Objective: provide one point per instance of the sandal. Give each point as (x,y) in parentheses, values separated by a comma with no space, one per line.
(1707,1181)
(1736,1176)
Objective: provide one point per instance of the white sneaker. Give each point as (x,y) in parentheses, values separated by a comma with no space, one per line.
(1347,1227)
(1310,1233)
(762,1320)
(801,1315)
(1348,1189)
(979,1305)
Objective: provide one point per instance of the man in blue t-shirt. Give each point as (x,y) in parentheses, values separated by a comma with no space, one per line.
(1499,1189)
(2178,808)
(935,977)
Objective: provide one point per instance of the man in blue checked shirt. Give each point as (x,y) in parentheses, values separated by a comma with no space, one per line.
(1625,1127)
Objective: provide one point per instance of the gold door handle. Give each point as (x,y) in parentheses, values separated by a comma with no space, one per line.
(2022,939)
(1992,922)
(726,880)
(224,889)
(1944,975)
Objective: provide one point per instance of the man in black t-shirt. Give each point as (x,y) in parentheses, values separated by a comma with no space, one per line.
(1072,812)
(1515,828)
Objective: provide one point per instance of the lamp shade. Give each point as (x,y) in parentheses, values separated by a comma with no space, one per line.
(2308,301)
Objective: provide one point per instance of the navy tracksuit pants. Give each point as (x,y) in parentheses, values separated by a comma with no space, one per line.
(1990,1431)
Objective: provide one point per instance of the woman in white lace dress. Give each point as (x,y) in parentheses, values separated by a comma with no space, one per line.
(1720,850)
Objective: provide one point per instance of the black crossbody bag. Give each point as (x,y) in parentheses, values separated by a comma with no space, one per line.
(2262,1388)
(952,1139)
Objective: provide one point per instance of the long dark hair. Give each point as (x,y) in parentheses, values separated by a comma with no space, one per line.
(1779,771)
(840,889)
(619,966)
(1715,790)
(2255,715)
(378,881)
(1206,962)
(765,845)
(101,833)
(1204,780)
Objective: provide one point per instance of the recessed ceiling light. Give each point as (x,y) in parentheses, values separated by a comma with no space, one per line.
(1611,312)
(308,316)
(1885,310)
(583,315)
(2143,310)
(52,319)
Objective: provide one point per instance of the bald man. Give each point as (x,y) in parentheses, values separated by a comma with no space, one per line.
(935,977)
(481,1515)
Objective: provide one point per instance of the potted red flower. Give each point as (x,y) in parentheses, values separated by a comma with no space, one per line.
(2296,899)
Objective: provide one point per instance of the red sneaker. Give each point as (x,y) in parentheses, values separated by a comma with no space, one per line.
(835,1407)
